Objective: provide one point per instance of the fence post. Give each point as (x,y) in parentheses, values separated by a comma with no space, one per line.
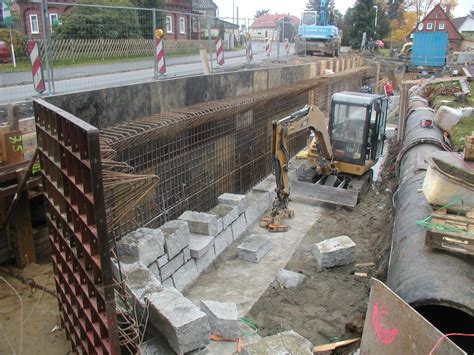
(49,67)
(278,43)
(153,36)
(209,42)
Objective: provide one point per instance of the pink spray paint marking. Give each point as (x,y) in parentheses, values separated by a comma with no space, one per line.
(384,335)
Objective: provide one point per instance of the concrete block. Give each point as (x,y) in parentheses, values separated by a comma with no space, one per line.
(240,201)
(184,325)
(225,213)
(145,244)
(202,223)
(288,342)
(186,254)
(199,244)
(238,227)
(185,275)
(204,261)
(267,186)
(140,283)
(170,268)
(334,252)
(223,318)
(126,262)
(222,241)
(290,279)
(168,283)
(155,270)
(252,213)
(254,248)
(176,235)
(264,203)
(162,260)
(155,346)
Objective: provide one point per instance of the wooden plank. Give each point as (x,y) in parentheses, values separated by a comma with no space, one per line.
(452,218)
(454,242)
(13,147)
(333,346)
(25,245)
(394,327)
(27,125)
(13,113)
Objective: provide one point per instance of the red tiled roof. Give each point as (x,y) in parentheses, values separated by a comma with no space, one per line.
(270,21)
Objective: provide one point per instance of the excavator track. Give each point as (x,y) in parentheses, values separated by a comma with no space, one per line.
(339,190)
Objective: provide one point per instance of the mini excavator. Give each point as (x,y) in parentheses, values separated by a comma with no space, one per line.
(339,156)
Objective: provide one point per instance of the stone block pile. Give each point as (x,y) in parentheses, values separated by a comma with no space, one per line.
(158,264)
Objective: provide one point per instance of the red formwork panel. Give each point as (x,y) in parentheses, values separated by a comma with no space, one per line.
(71,168)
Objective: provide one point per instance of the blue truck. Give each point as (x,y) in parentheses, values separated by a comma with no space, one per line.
(430,49)
(316,35)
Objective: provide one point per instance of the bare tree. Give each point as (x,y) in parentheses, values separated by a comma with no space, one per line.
(420,7)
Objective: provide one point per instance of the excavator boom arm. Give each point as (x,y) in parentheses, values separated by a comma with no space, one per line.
(310,118)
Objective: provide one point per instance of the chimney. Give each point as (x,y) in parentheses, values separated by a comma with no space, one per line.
(448,9)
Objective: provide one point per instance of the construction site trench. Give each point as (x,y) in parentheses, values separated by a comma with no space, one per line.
(152,191)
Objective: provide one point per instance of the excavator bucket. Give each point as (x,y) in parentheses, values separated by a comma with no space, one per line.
(308,192)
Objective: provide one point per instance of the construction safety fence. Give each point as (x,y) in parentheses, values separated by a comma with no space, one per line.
(202,151)
(117,44)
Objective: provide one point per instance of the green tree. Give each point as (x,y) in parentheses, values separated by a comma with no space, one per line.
(93,22)
(361,19)
(383,20)
(287,29)
(261,13)
(145,17)
(221,29)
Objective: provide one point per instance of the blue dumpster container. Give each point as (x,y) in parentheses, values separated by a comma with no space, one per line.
(429,49)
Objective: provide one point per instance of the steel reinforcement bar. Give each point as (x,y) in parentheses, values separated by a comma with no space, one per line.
(202,151)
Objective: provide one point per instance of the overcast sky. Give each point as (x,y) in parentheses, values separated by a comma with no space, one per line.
(247,8)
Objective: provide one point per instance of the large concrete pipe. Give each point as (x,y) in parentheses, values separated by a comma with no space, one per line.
(437,284)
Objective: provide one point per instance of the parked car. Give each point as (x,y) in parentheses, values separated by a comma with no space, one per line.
(3,53)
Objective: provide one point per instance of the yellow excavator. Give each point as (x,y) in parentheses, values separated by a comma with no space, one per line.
(340,154)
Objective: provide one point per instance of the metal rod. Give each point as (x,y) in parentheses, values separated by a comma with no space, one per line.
(19,190)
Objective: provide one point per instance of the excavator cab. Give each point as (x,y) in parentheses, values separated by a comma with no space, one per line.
(357,130)
(338,159)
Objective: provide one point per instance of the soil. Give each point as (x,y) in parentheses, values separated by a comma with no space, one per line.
(331,304)
(40,315)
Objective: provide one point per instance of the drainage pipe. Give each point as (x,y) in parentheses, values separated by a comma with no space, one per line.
(439,285)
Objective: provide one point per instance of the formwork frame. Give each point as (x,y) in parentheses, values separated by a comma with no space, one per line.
(69,152)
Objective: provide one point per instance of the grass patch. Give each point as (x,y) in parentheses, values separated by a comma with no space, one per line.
(464,128)
(384,52)
(24,65)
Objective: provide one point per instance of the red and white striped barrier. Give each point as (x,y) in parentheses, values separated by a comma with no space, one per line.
(267,47)
(38,80)
(248,50)
(160,56)
(287,46)
(219,51)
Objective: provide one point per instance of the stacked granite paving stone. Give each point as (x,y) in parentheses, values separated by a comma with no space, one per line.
(158,264)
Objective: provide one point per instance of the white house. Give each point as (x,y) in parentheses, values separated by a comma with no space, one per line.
(465,26)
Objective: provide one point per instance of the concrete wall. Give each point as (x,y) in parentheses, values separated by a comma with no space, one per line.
(105,107)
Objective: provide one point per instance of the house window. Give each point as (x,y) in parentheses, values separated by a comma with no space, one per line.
(429,26)
(34,26)
(195,25)
(169,24)
(441,26)
(182,25)
(53,20)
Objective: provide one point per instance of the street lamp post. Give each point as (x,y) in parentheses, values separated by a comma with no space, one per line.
(376,13)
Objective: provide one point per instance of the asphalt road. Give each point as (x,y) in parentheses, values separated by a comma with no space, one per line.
(17,87)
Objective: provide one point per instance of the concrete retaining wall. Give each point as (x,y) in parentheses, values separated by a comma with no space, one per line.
(106,107)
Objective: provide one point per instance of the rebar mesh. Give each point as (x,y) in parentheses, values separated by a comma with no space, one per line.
(202,151)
